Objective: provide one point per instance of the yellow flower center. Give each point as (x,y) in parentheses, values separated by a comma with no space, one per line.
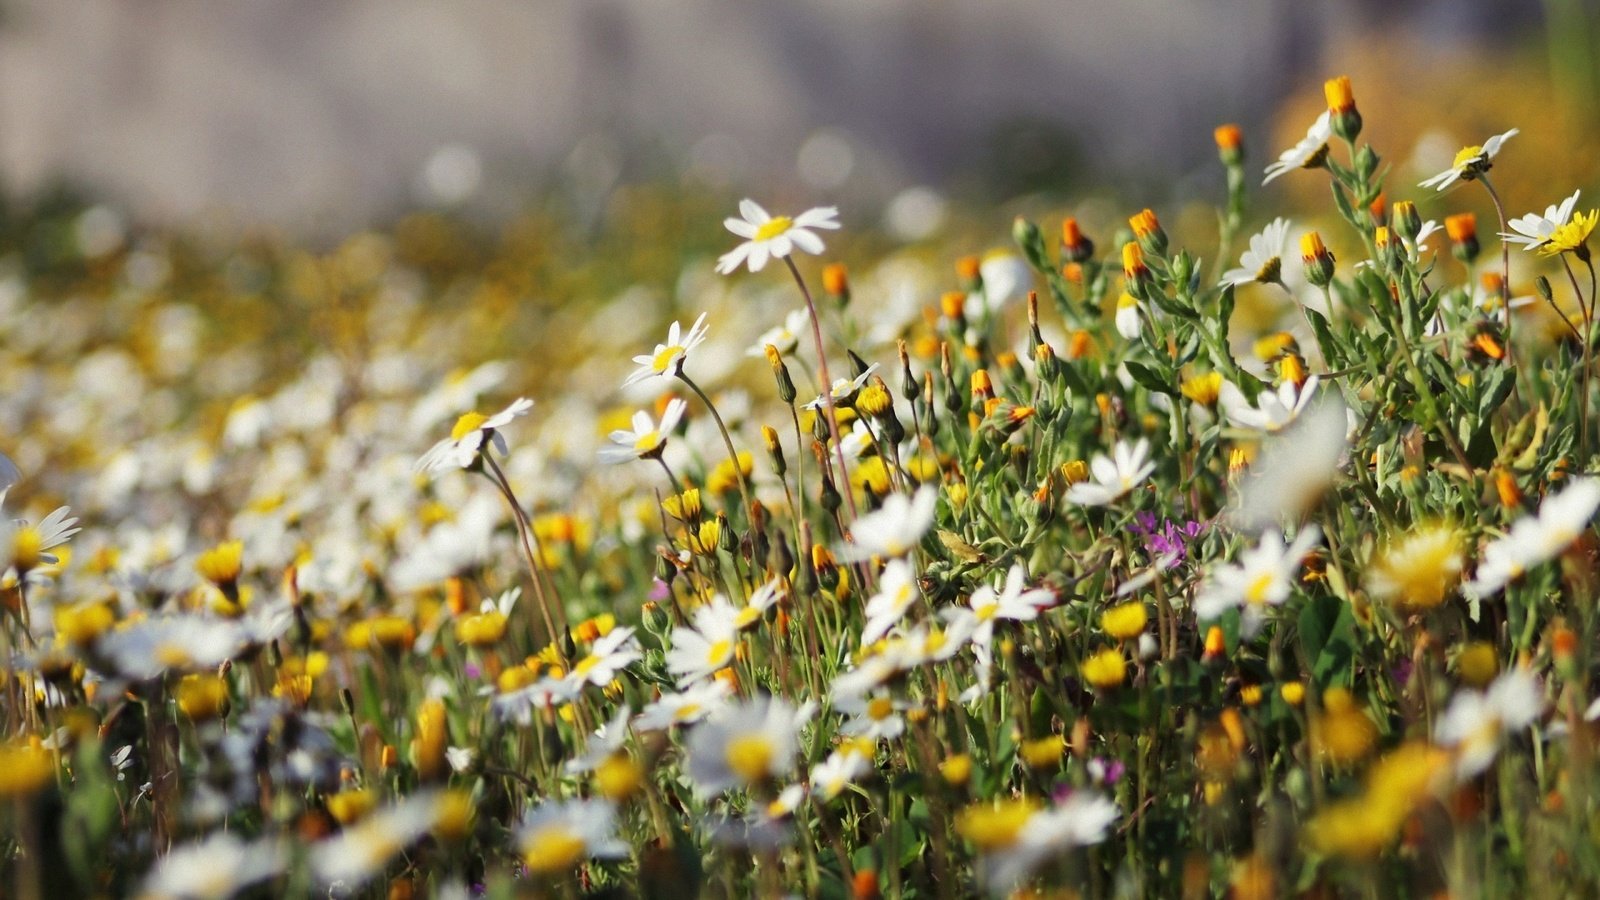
(467,424)
(1257,592)
(686,711)
(774,227)
(1466,156)
(647,441)
(552,849)
(880,708)
(987,611)
(719,652)
(994,827)
(172,655)
(750,756)
(586,665)
(747,617)
(665,357)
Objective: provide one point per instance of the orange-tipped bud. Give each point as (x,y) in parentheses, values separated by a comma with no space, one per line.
(952,305)
(982,386)
(1216,644)
(1228,137)
(1461,227)
(1144,223)
(1133,267)
(836,280)
(967,268)
(1339,94)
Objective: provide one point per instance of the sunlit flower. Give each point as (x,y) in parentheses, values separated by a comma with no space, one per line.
(668,359)
(1272,410)
(745,744)
(893,529)
(1014,603)
(708,646)
(784,337)
(606,657)
(217,867)
(1533,231)
(1420,569)
(1308,153)
(25,547)
(1469,163)
(1263,262)
(691,705)
(602,745)
(1014,837)
(842,768)
(560,834)
(648,438)
(1476,723)
(1537,539)
(460,450)
(773,237)
(897,591)
(1129,317)
(877,717)
(1115,475)
(1573,237)
(844,390)
(1262,577)
(358,853)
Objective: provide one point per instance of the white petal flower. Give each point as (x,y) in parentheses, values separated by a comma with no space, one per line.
(1537,539)
(668,359)
(1273,410)
(1308,152)
(1476,723)
(647,439)
(1113,476)
(894,529)
(1469,163)
(773,237)
(1533,230)
(460,450)
(785,337)
(1262,577)
(1264,260)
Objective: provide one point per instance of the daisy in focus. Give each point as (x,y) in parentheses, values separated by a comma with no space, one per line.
(1308,153)
(1262,577)
(1113,476)
(773,237)
(648,438)
(1014,602)
(668,358)
(1469,163)
(1263,262)
(460,450)
(1533,231)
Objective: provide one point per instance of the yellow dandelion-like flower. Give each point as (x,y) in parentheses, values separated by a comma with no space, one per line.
(1419,570)
(1572,237)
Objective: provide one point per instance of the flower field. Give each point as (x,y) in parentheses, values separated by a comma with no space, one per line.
(682,560)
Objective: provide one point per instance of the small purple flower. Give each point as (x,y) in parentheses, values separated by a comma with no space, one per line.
(659,590)
(1167,540)
(1106,771)
(473,671)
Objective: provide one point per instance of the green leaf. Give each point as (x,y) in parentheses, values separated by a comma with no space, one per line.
(1327,635)
(1149,378)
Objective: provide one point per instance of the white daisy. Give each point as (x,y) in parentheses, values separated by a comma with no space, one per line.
(460,450)
(562,833)
(1016,838)
(1537,539)
(1263,262)
(684,708)
(709,646)
(606,657)
(184,643)
(1476,723)
(217,867)
(773,237)
(1113,476)
(842,768)
(1469,163)
(1013,602)
(897,590)
(648,438)
(1306,153)
(1294,467)
(844,389)
(1534,230)
(668,358)
(357,853)
(605,743)
(1262,577)
(877,717)
(1273,410)
(745,744)
(893,529)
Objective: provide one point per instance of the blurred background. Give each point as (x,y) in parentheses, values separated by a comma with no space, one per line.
(318,117)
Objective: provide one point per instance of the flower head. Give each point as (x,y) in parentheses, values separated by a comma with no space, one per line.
(745,744)
(648,439)
(1308,153)
(1115,475)
(1263,262)
(1469,163)
(1262,577)
(460,450)
(773,237)
(1533,231)
(668,358)
(1476,722)
(560,834)
(894,529)
(1534,540)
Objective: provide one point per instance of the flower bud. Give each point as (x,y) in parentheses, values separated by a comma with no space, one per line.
(968,271)
(1134,269)
(1230,144)
(1345,118)
(1075,246)
(836,282)
(780,372)
(1147,228)
(908,380)
(1318,261)
(1463,231)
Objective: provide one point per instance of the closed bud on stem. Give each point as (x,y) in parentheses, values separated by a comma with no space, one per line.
(1345,118)
(908,381)
(830,495)
(1134,269)
(820,429)
(1147,228)
(952,306)
(780,372)
(1045,361)
(1230,144)
(1542,285)
(969,271)
(1075,245)
(858,366)
(836,282)
(1463,231)
(1383,241)
(1318,261)
(1378,209)
(1406,220)
(982,386)
(826,567)
(769,437)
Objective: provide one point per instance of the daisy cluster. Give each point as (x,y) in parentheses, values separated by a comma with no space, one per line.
(1053,570)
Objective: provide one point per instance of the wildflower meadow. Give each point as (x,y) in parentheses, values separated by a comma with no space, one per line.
(1250,556)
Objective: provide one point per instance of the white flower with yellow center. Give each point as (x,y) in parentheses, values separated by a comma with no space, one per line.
(667,360)
(1113,476)
(648,438)
(893,529)
(1469,163)
(1476,723)
(1307,154)
(460,450)
(183,643)
(691,705)
(1263,262)
(560,834)
(1537,539)
(761,599)
(745,744)
(1534,231)
(605,743)
(877,717)
(709,646)
(358,853)
(1129,317)
(844,390)
(1015,837)
(986,606)
(897,590)
(25,547)
(546,693)
(606,657)
(841,769)
(1261,578)
(1273,410)
(773,237)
